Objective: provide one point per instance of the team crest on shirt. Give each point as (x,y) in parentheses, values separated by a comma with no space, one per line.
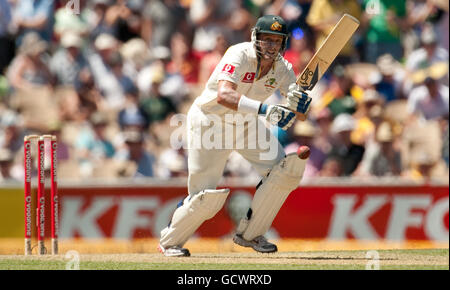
(276,26)
(270,83)
(249,77)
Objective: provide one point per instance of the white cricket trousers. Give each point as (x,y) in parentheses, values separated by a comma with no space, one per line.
(207,160)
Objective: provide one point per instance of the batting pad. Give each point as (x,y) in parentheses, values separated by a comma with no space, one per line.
(270,196)
(188,217)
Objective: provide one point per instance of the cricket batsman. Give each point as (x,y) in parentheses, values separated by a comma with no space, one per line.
(246,76)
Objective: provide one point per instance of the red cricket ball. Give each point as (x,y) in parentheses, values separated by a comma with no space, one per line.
(303,152)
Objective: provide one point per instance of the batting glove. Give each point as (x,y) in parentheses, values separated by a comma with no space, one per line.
(278,115)
(298,100)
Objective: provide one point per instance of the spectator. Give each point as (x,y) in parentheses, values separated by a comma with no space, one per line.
(390,85)
(299,53)
(162,18)
(68,61)
(89,98)
(428,53)
(136,56)
(92,145)
(172,163)
(422,165)
(185,61)
(429,101)
(28,69)
(101,63)
(135,151)
(382,158)
(239,26)
(71,21)
(369,110)
(323,16)
(343,148)
(323,139)
(332,167)
(12,132)
(156,106)
(209,62)
(338,97)
(6,166)
(96,18)
(34,16)
(384,23)
(125,19)
(6,41)
(132,115)
(210,17)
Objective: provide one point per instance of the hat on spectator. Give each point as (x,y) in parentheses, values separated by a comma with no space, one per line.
(422,157)
(376,111)
(384,133)
(371,95)
(98,119)
(32,43)
(105,41)
(131,118)
(305,129)
(71,39)
(135,50)
(6,155)
(428,35)
(435,71)
(387,64)
(342,123)
(133,136)
(161,52)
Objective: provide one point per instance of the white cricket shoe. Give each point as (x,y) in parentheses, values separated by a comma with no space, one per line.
(259,244)
(174,251)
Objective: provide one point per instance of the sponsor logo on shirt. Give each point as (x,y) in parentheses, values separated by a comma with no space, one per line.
(249,77)
(228,68)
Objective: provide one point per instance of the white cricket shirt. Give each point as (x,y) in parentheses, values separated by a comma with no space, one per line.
(239,65)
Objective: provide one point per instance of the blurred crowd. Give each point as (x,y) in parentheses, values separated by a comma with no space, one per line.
(106,77)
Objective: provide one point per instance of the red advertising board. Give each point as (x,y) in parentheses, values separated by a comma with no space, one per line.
(336,212)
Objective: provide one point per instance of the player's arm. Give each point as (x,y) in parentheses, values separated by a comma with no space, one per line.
(227,95)
(277,115)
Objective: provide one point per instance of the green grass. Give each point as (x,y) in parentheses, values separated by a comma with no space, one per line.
(57,265)
(389,260)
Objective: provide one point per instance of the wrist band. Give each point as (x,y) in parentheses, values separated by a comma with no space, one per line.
(263,109)
(247,105)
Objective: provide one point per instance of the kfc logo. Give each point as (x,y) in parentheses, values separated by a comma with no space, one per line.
(228,68)
(249,77)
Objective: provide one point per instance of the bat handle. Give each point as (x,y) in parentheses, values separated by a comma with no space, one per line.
(300,116)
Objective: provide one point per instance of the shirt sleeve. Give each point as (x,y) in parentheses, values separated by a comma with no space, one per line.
(231,65)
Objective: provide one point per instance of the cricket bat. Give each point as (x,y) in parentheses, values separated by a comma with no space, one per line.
(325,55)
